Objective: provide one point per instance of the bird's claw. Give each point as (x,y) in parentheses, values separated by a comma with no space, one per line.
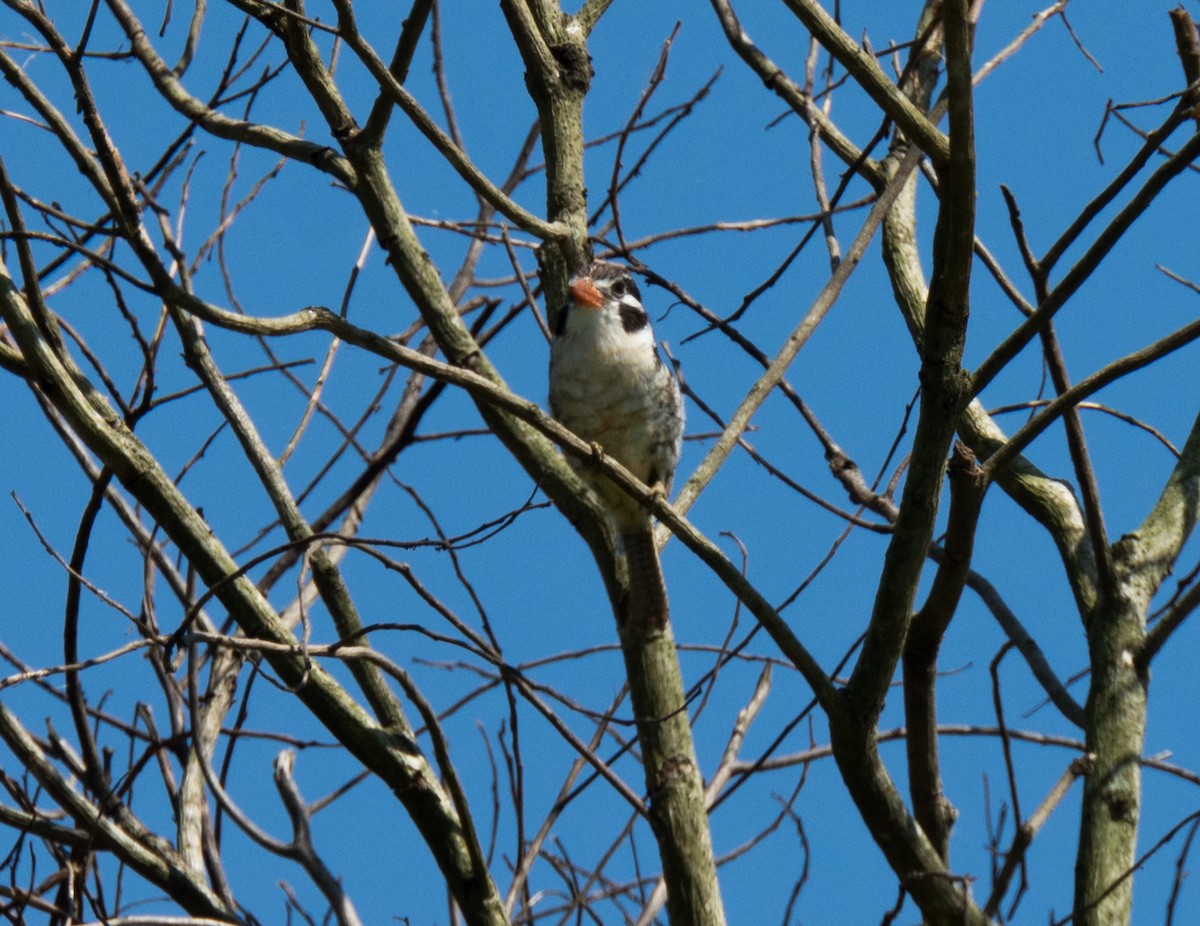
(657,493)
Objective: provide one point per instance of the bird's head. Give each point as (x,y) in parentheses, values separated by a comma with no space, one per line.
(608,289)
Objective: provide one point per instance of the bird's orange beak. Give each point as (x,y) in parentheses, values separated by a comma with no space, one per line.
(584,292)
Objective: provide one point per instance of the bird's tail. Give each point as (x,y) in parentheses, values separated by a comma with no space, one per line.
(648,608)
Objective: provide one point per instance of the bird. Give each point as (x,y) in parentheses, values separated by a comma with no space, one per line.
(609,385)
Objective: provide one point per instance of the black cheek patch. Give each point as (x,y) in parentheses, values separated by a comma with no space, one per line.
(632,318)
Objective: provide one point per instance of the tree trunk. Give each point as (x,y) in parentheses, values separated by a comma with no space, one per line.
(1116,727)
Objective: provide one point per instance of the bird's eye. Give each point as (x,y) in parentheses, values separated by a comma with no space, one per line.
(619,288)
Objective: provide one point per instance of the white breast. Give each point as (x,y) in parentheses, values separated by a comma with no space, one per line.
(608,386)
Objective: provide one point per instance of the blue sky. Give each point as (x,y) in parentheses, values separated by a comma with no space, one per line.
(1037,116)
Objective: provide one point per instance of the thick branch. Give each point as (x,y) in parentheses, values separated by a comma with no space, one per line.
(1161,536)
(1187,43)
(558,73)
(943,397)
(943,386)
(406,47)
(931,808)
